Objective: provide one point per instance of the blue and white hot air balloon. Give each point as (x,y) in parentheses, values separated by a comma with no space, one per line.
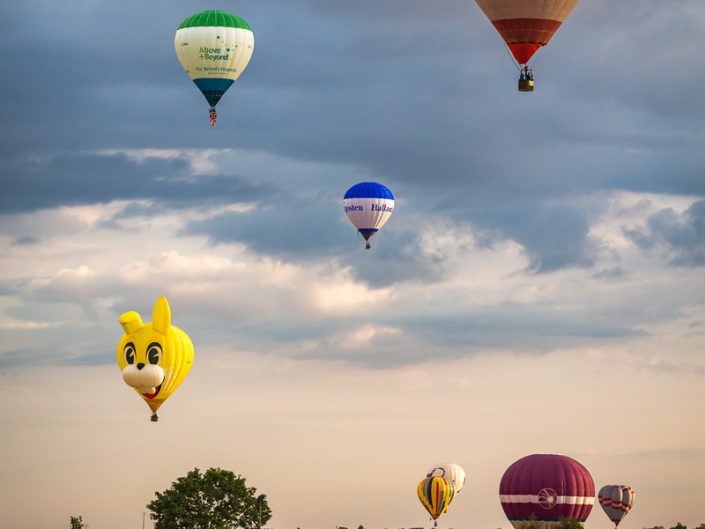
(368,206)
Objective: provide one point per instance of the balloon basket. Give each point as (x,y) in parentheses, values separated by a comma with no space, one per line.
(526,85)
(155,417)
(367,246)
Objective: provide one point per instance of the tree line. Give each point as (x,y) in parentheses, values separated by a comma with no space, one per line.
(220,499)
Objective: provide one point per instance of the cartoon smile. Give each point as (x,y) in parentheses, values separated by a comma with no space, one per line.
(152,395)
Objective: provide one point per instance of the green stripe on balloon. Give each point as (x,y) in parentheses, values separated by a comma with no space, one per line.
(215,18)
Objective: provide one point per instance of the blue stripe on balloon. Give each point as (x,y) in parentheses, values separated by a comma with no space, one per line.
(213,89)
(369,190)
(368,230)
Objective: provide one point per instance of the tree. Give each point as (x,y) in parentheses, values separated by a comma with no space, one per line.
(216,499)
(568,523)
(679,526)
(77,522)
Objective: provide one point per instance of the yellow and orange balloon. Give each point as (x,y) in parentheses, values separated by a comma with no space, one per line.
(154,357)
(436,494)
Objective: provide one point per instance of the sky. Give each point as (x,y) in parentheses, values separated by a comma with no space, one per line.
(538,289)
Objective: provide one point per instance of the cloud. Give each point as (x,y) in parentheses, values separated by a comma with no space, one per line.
(26,240)
(680,235)
(425,113)
(85,178)
(444,287)
(124,192)
(439,121)
(555,236)
(301,226)
(611,274)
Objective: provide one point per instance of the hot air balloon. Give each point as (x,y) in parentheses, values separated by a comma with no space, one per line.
(214,48)
(526,25)
(368,206)
(154,357)
(616,501)
(450,471)
(543,488)
(435,494)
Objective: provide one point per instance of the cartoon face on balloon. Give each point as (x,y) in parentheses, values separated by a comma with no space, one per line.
(154,357)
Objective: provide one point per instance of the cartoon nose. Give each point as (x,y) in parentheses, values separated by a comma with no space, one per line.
(140,366)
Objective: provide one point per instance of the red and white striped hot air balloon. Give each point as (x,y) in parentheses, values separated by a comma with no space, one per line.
(526,25)
(544,488)
(616,501)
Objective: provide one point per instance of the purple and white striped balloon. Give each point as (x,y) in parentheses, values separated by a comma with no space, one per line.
(544,488)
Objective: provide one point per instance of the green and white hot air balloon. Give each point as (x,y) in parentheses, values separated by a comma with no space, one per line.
(214,47)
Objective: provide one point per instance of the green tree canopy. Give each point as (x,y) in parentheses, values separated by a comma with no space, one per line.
(679,526)
(568,523)
(77,522)
(216,499)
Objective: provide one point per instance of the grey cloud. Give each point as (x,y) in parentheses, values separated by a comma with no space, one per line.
(293,227)
(544,329)
(611,274)
(533,330)
(674,368)
(368,87)
(25,240)
(92,353)
(301,228)
(79,179)
(555,239)
(415,94)
(682,235)
(20,357)
(46,307)
(438,120)
(9,287)
(72,307)
(42,357)
(554,236)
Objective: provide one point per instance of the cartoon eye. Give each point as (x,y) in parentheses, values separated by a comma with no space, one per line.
(154,353)
(129,352)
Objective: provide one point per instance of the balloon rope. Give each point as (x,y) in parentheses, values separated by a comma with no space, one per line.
(514,61)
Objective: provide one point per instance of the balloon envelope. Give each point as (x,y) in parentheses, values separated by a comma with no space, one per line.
(616,501)
(214,47)
(154,358)
(526,25)
(546,488)
(368,205)
(435,494)
(450,471)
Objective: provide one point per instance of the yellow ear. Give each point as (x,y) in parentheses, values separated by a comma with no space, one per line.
(161,317)
(131,322)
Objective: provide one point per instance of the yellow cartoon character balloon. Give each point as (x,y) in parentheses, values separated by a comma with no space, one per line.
(154,357)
